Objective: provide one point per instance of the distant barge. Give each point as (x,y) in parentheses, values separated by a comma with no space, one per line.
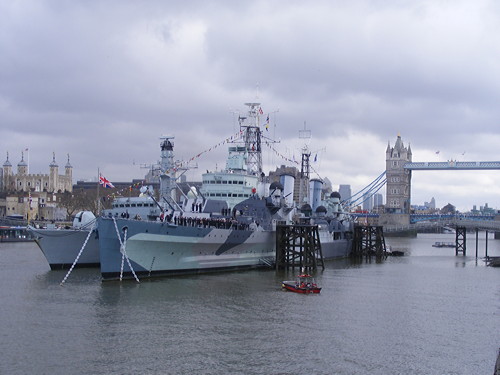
(444,244)
(14,234)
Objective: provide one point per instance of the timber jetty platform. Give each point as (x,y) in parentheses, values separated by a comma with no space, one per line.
(368,240)
(298,246)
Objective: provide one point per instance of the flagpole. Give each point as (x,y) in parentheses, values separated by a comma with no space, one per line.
(98,199)
(29,207)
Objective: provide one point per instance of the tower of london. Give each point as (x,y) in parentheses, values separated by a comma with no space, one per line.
(23,181)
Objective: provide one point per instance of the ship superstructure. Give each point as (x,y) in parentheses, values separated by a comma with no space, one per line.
(241,176)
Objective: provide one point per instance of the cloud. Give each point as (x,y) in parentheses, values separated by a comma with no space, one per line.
(103,81)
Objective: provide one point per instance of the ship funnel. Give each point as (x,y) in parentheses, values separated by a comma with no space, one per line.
(315,187)
(288,182)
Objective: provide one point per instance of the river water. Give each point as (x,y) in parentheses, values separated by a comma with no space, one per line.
(428,312)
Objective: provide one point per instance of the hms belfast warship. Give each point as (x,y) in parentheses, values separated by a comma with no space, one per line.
(225,226)
(228,224)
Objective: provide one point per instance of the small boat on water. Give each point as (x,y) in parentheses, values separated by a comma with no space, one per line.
(493,261)
(444,244)
(304,284)
(14,234)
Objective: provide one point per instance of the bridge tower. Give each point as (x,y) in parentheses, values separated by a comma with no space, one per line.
(398,187)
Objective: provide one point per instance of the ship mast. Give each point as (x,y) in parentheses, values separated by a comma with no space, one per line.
(252,138)
(167,176)
(305,166)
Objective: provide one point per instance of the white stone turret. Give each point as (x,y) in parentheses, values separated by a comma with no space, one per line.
(7,174)
(53,174)
(22,166)
(68,170)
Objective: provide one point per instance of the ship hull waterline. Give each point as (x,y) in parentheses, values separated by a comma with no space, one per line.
(61,247)
(161,249)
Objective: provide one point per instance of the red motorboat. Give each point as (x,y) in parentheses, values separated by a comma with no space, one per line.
(304,284)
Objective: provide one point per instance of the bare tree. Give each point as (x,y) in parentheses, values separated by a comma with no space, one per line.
(68,201)
(83,200)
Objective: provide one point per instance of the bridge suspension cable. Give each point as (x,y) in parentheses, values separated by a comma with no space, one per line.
(366,193)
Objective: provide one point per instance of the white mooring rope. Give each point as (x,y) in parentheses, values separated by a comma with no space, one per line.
(123,251)
(77,257)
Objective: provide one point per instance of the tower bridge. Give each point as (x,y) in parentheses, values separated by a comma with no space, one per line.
(452,165)
(399,167)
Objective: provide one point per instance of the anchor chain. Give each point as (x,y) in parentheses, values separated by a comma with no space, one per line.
(123,251)
(76,259)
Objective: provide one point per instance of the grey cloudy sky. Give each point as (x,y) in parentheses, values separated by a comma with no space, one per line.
(103,80)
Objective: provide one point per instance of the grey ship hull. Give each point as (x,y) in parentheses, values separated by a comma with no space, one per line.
(61,247)
(335,239)
(336,249)
(159,249)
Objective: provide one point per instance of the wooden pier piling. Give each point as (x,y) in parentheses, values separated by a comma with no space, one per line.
(486,256)
(461,240)
(486,246)
(368,240)
(298,246)
(477,237)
